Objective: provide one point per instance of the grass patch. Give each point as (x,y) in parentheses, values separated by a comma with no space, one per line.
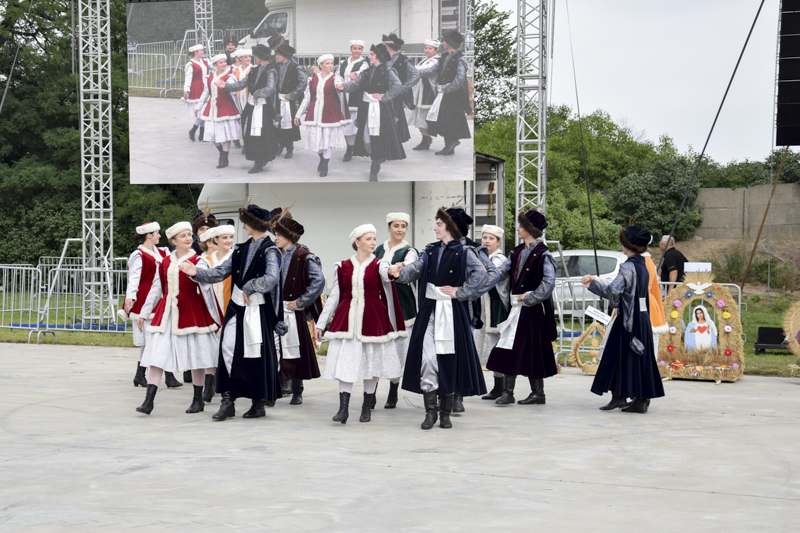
(78,338)
(759,313)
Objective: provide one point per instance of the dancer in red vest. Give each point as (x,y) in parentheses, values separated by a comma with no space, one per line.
(367,318)
(142,266)
(195,75)
(220,110)
(326,113)
(185,319)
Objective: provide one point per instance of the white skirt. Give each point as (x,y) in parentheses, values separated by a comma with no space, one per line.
(191,107)
(221,131)
(351,360)
(176,353)
(140,337)
(352,129)
(484,343)
(401,344)
(318,138)
(418,116)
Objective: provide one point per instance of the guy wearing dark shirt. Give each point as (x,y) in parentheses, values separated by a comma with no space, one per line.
(672,265)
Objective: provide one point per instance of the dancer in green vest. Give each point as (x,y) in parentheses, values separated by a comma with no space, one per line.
(397,250)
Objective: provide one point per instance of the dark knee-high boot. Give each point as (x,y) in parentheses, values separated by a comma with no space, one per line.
(348,154)
(507,398)
(374,401)
(431,409)
(425,144)
(202,132)
(297,392)
(391,400)
(227,407)
(257,409)
(192,132)
(319,167)
(458,403)
(496,391)
(374,168)
(197,401)
(187,376)
(366,407)
(323,171)
(150,395)
(445,410)
(343,413)
(615,403)
(171,382)
(211,385)
(537,393)
(139,380)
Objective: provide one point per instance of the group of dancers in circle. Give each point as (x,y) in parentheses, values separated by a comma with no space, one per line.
(236,318)
(363,105)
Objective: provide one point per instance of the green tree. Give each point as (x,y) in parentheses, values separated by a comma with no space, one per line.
(495,63)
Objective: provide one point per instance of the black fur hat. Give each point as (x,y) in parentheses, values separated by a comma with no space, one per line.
(381,52)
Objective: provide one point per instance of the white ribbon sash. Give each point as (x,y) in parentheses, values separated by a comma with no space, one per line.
(290,341)
(286,113)
(508,328)
(252,321)
(444,333)
(374,116)
(433,114)
(257,118)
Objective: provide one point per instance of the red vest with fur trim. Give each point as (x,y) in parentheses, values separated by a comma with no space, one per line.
(220,106)
(149,267)
(182,302)
(331,105)
(196,89)
(363,307)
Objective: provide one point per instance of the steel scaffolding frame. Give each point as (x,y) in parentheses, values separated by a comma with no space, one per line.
(532,62)
(204,24)
(94,50)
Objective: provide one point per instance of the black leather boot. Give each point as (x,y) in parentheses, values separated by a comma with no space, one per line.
(615,403)
(449,148)
(150,395)
(256,409)
(324,170)
(187,376)
(211,385)
(537,393)
(348,154)
(286,387)
(458,403)
(637,406)
(496,391)
(344,403)
(431,409)
(193,131)
(374,168)
(258,166)
(425,144)
(391,400)
(197,401)
(507,398)
(374,401)
(202,132)
(223,159)
(366,407)
(227,407)
(237,144)
(445,410)
(319,167)
(139,380)
(171,382)
(289,152)
(297,392)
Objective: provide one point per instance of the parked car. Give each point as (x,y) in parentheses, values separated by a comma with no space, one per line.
(570,294)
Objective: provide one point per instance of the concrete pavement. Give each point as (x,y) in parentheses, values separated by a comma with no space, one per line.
(75,455)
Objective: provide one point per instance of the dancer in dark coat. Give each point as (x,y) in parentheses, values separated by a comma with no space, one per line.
(292,80)
(409,77)
(448,114)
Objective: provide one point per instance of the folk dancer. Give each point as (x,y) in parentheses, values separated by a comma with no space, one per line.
(397,250)
(292,80)
(303,283)
(220,110)
(241,72)
(494,307)
(526,336)
(194,80)
(260,134)
(142,266)
(628,367)
(185,320)
(365,318)
(441,356)
(409,77)
(349,70)
(448,113)
(425,92)
(247,359)
(377,135)
(325,113)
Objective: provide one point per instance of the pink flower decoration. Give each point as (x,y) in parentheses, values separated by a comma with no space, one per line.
(677,303)
(728,329)
(720,303)
(735,365)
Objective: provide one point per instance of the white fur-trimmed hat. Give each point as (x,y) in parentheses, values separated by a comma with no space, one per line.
(177,228)
(147,227)
(324,57)
(433,42)
(237,53)
(398,217)
(356,42)
(227,229)
(196,47)
(361,230)
(209,234)
(218,57)
(497,231)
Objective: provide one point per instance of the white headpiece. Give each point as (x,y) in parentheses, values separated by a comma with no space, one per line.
(246,52)
(361,230)
(208,234)
(177,228)
(497,231)
(433,42)
(218,57)
(324,57)
(224,230)
(148,227)
(398,217)
(237,53)
(196,47)
(356,42)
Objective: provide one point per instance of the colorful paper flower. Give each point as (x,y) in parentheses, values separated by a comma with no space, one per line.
(729,352)
(673,330)
(677,303)
(726,315)
(735,365)
(688,294)
(728,329)
(674,314)
(720,303)
(671,348)
(710,294)
(662,362)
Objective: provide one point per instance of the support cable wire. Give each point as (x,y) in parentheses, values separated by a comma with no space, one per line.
(583,146)
(13,64)
(702,153)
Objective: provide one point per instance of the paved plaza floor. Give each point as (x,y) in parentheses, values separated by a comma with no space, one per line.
(75,455)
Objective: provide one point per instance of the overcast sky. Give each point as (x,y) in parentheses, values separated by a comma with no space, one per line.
(663,67)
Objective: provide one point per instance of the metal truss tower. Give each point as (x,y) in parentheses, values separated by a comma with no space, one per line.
(469,34)
(532,57)
(94,49)
(204,24)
